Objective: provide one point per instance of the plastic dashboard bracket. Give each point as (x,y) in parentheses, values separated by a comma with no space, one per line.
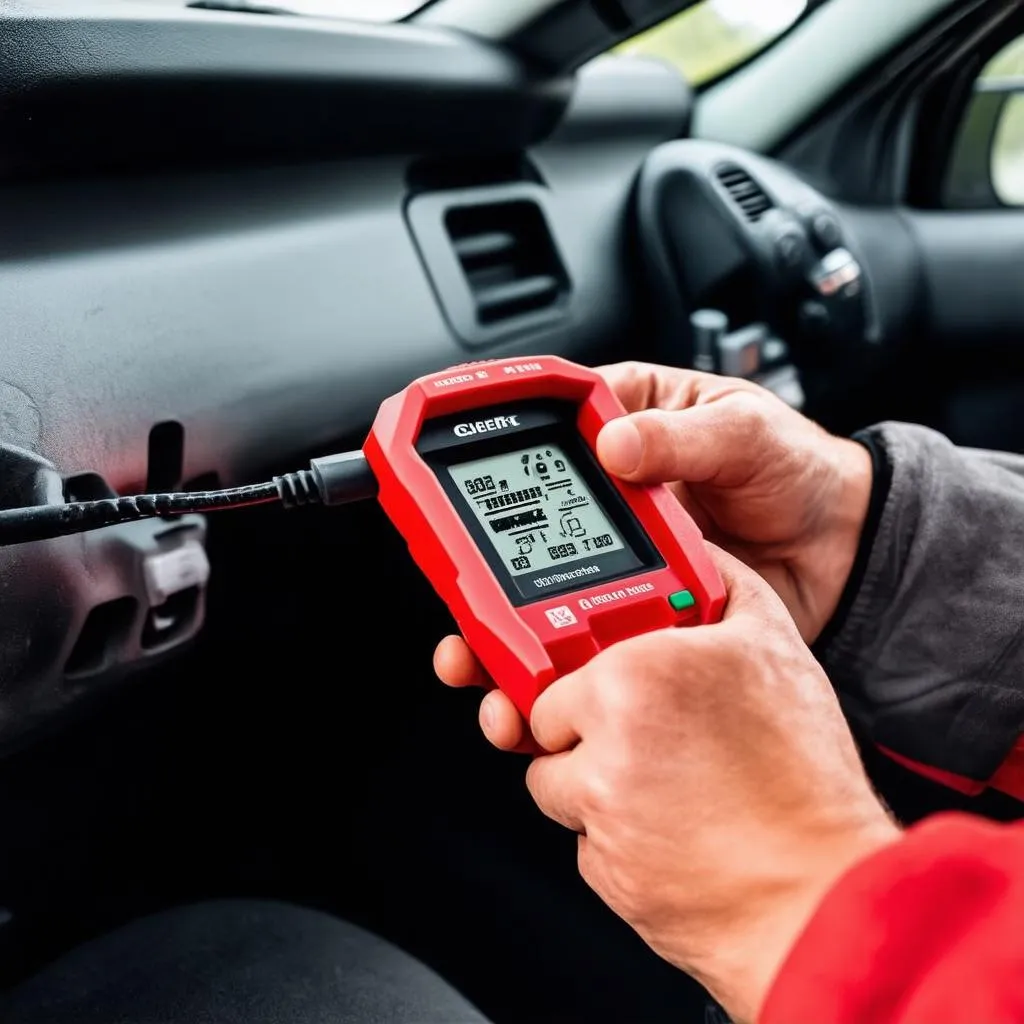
(80,612)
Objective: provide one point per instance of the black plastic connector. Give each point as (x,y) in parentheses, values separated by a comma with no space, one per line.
(331,480)
(343,478)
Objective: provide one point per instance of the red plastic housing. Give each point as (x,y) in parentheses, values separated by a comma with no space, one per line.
(521,647)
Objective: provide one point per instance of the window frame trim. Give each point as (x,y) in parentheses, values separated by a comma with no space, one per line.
(955,91)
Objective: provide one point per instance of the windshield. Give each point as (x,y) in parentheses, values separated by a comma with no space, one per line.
(704,42)
(358,10)
(711,38)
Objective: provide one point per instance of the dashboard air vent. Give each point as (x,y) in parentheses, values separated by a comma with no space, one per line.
(508,258)
(752,200)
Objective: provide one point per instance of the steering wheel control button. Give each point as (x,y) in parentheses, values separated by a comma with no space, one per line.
(791,249)
(826,230)
(835,273)
(773,352)
(739,353)
(708,327)
(682,600)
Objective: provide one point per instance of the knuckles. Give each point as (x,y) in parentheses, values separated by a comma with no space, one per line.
(601,793)
(644,687)
(754,419)
(628,678)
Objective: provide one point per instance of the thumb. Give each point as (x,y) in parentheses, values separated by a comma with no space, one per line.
(712,443)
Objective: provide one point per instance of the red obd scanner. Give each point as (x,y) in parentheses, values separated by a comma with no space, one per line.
(488,471)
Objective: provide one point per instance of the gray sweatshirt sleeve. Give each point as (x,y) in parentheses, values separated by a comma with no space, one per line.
(928,658)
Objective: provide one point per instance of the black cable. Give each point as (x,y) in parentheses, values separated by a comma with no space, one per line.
(334,480)
(19,525)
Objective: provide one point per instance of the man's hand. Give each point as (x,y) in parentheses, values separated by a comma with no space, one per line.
(762,481)
(715,787)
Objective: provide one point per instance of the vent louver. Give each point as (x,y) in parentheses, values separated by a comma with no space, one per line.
(508,258)
(746,193)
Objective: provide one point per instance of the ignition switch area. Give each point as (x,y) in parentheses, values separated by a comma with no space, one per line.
(81,612)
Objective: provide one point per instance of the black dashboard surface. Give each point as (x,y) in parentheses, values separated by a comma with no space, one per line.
(267,296)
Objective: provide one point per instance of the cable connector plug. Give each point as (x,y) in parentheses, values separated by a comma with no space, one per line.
(332,480)
(343,478)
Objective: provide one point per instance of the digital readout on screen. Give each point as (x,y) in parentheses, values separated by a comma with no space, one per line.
(535,508)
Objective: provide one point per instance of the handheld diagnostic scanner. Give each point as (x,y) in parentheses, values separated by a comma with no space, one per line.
(489,473)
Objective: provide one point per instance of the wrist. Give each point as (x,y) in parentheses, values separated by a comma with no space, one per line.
(845,506)
(761,943)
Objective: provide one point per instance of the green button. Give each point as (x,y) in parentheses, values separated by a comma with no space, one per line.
(682,600)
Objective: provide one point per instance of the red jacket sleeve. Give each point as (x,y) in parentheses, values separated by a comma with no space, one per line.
(929,930)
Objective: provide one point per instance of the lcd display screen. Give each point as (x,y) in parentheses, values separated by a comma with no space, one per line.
(536,509)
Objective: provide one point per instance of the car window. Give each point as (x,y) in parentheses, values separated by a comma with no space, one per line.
(1008,143)
(986,168)
(713,37)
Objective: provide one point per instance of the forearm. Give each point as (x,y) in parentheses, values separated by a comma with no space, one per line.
(928,651)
